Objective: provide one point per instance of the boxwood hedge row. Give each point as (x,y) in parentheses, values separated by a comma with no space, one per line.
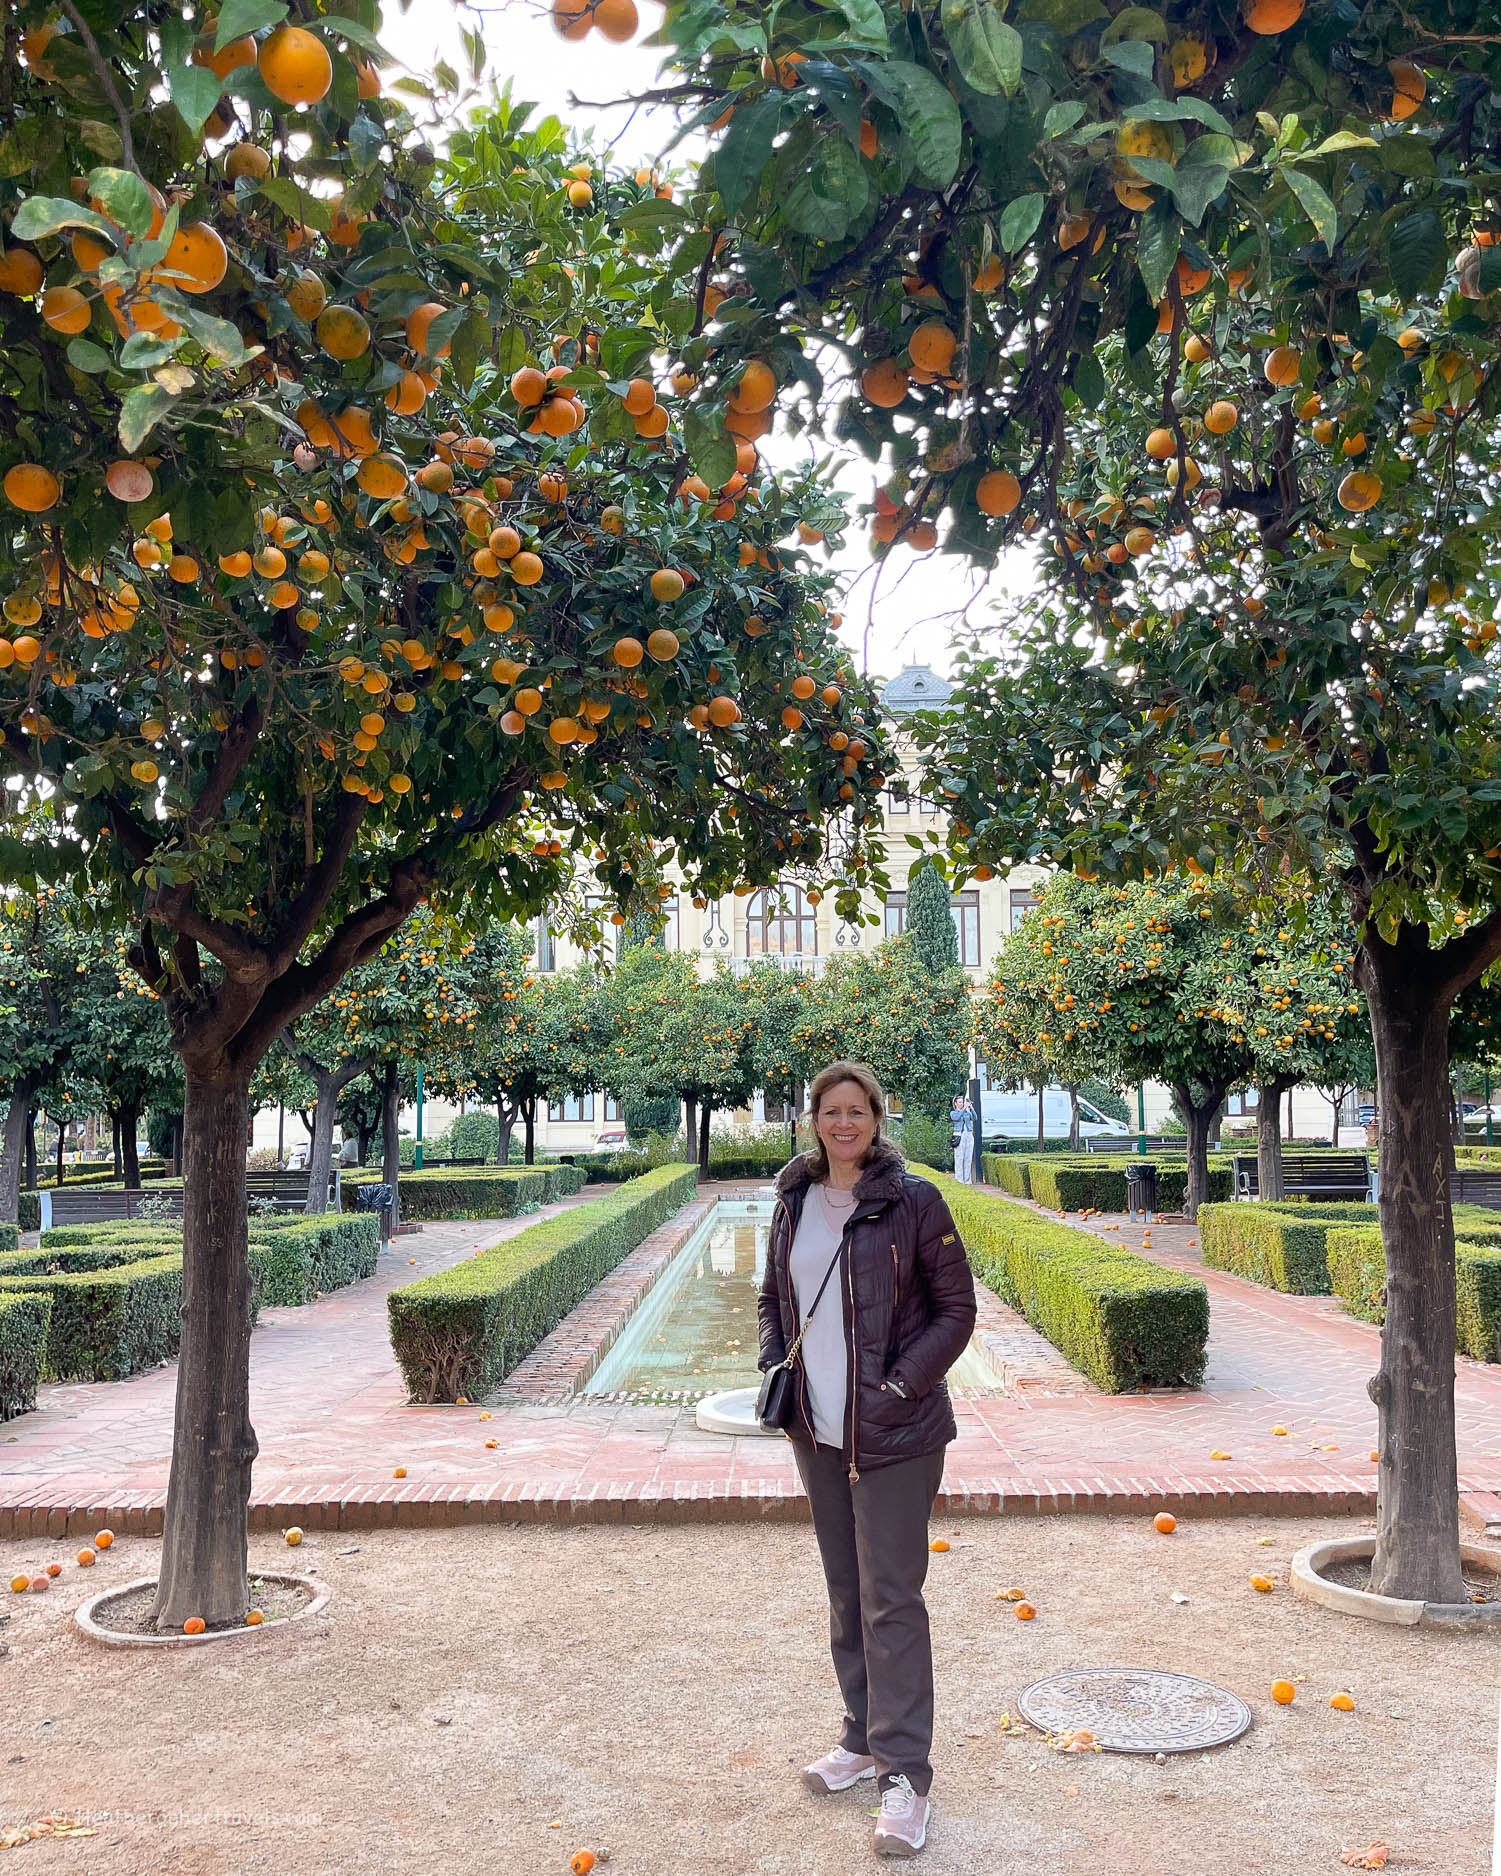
(491,1192)
(1118,1317)
(464,1329)
(1357,1271)
(23,1334)
(1282,1245)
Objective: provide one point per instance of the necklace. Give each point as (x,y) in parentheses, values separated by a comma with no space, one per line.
(843,1202)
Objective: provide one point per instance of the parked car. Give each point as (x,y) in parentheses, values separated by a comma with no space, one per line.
(1365,1115)
(297,1159)
(612,1140)
(1014,1117)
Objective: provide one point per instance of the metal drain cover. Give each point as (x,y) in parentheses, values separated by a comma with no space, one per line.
(1137,1709)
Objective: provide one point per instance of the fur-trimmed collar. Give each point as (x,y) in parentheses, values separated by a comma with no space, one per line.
(879,1184)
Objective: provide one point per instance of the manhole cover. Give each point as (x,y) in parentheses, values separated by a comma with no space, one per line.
(1137,1709)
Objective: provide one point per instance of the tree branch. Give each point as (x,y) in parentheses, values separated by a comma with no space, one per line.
(106,79)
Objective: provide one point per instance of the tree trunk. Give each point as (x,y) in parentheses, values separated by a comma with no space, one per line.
(321,1154)
(1270,1183)
(690,1127)
(529,1115)
(62,1135)
(114,1122)
(127,1121)
(364,1134)
(1198,1116)
(390,1127)
(1042,1133)
(505,1116)
(1073,1117)
(30,1180)
(704,1113)
(281,1133)
(213,1443)
(12,1150)
(1417,1514)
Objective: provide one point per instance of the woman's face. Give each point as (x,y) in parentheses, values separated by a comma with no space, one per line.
(845,1124)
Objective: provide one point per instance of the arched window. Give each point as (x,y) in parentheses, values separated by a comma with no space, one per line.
(780,921)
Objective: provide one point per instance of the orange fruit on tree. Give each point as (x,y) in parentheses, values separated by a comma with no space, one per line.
(236,565)
(579,194)
(663,644)
(183,569)
(666,585)
(1409,88)
(407,395)
(640,395)
(129,481)
(270,562)
(505,543)
(382,476)
(526,569)
(885,383)
(1282,364)
(723,711)
(756,388)
(1191,279)
(1284,1693)
(1272,16)
(1160,444)
(1221,417)
(617,20)
(560,416)
(247,159)
(552,488)
(436,477)
(418,326)
(528,385)
(932,346)
(990,275)
(197,259)
(295,65)
(803,686)
(997,492)
(574,19)
(792,718)
(306,295)
(1358,491)
(20,272)
(628,652)
(653,424)
(512,723)
(65,309)
(563,729)
(31,487)
(342,332)
(231,58)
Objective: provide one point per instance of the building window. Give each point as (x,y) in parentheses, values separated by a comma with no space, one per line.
(1022,902)
(612,1109)
(780,922)
(1240,1104)
(895,919)
(965,907)
(898,796)
(547,956)
(776,1113)
(926,805)
(573,1107)
(670,930)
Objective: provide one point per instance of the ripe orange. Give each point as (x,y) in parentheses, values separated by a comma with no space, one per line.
(382,476)
(803,686)
(997,492)
(756,389)
(572,18)
(581,1862)
(1409,88)
(247,159)
(230,58)
(1272,16)
(628,652)
(20,1584)
(195,1625)
(1191,279)
(270,562)
(640,395)
(419,324)
(526,569)
(31,487)
(1165,1522)
(552,488)
(20,272)
(295,65)
(885,383)
(1221,417)
(990,275)
(723,711)
(666,585)
(254,1618)
(1283,361)
(931,346)
(1342,1702)
(617,20)
(85,1558)
(197,259)
(236,565)
(65,309)
(663,644)
(1161,444)
(1262,1583)
(528,386)
(306,295)
(1284,1693)
(792,718)
(1025,1612)
(1358,491)
(342,332)
(129,481)
(407,395)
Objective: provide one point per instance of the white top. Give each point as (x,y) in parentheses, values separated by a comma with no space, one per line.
(825,1349)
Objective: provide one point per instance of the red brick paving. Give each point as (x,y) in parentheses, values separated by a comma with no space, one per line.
(333,1422)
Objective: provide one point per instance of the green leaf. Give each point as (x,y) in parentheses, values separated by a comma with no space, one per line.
(867,23)
(1202,175)
(143,409)
(927,113)
(195,91)
(1316,204)
(1135,23)
(987,51)
(365,139)
(285,195)
(123,196)
(746,150)
(1089,381)
(1061,117)
(711,449)
(1065,16)
(1130,55)
(1341,140)
(828,193)
(1408,156)
(1175,110)
(1019,221)
(238,17)
(218,337)
(1416,253)
(84,355)
(41,215)
(1489,271)
(142,350)
(1157,246)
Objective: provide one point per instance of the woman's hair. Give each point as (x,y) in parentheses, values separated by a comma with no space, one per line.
(817,1158)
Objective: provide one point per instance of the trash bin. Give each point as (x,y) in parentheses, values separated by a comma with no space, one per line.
(378,1198)
(1141,1188)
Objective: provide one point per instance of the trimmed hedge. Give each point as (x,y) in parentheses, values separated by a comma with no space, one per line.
(1008,1172)
(29,1211)
(463,1330)
(69,1259)
(10,1237)
(484,1192)
(1098,1183)
(1117,1317)
(112,1231)
(107,1324)
(23,1335)
(599,1167)
(302,1257)
(1357,1269)
(1281,1244)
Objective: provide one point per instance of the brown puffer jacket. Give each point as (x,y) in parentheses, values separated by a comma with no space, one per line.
(909,1310)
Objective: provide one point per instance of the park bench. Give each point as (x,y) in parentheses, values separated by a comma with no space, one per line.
(91,1205)
(1130,1142)
(477,1159)
(1468,1186)
(1311,1176)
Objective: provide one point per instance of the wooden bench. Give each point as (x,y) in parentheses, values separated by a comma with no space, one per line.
(1471,1187)
(477,1159)
(1131,1143)
(89,1205)
(1311,1176)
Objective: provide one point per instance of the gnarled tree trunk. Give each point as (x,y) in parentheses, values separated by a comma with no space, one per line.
(1417,1536)
(529,1116)
(13,1148)
(1199,1116)
(1270,1183)
(1042,1124)
(690,1127)
(128,1120)
(390,1127)
(1073,1117)
(213,1443)
(705,1112)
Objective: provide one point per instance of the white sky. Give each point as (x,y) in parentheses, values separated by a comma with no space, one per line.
(895,622)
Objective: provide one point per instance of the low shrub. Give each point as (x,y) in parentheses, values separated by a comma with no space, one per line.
(1097,1183)
(1357,1270)
(110,1231)
(477,1192)
(28,1211)
(1279,1243)
(463,1330)
(1117,1317)
(1007,1172)
(24,1316)
(308,1257)
(10,1237)
(68,1259)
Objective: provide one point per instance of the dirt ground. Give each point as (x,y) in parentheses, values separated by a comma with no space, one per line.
(656,1690)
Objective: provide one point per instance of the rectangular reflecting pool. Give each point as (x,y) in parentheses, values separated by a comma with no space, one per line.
(695,1331)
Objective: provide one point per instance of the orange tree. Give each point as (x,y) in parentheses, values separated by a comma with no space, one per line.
(1203,298)
(315,594)
(1184,984)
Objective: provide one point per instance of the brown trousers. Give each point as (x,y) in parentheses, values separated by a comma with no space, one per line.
(873,1538)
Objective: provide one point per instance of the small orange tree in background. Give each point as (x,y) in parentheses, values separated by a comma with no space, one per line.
(334,582)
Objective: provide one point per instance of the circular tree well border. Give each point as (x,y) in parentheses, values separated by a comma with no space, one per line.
(1308,1582)
(87,1614)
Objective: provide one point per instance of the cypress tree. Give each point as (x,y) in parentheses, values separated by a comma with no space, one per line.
(930,923)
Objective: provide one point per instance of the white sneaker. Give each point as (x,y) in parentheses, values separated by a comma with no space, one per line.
(902,1827)
(837,1771)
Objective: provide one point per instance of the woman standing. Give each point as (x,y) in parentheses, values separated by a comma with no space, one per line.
(962,1121)
(873,1420)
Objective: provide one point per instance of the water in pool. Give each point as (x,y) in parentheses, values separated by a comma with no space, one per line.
(696,1330)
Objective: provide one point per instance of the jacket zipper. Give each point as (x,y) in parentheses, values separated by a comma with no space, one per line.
(849,1268)
(802,1391)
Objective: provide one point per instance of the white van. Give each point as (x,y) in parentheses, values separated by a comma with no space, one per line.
(1014,1117)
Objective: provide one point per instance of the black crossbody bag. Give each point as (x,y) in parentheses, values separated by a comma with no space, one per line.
(776,1404)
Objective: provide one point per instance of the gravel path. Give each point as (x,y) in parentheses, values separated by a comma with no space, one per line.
(656,1690)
